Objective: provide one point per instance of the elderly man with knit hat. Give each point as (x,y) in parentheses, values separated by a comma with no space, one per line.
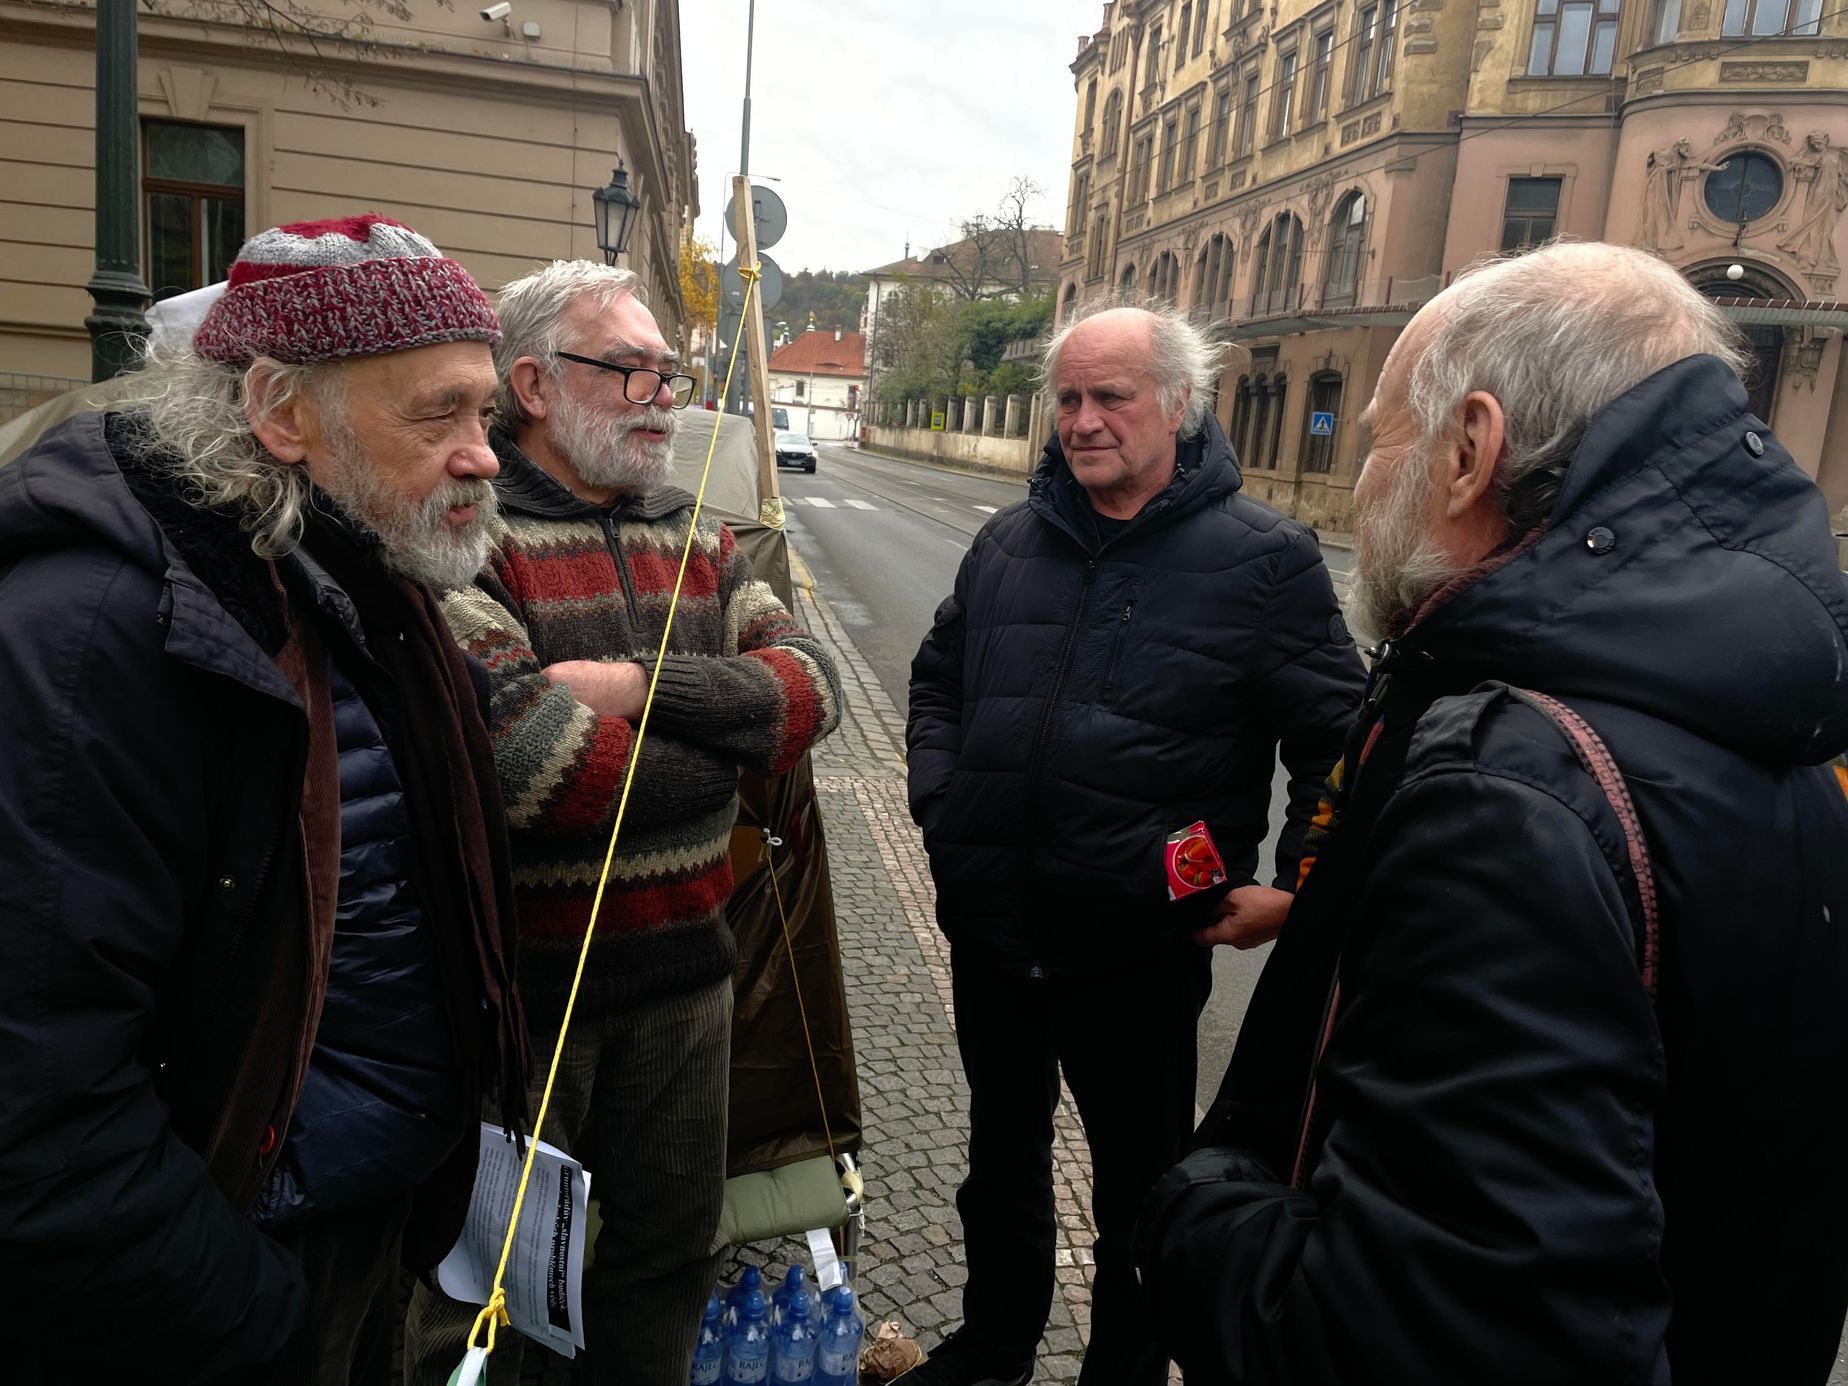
(256,903)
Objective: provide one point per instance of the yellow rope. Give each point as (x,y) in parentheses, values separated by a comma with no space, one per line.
(495,1313)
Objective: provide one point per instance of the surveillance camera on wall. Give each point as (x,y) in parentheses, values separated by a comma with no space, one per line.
(497,11)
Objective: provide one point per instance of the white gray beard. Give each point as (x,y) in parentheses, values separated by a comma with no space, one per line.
(1396,565)
(602,451)
(416,538)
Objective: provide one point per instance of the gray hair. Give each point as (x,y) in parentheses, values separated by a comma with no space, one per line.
(1183,360)
(532,310)
(196,408)
(1555,336)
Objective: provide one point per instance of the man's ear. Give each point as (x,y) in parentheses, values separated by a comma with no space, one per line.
(524,378)
(1474,454)
(287,431)
(1180,410)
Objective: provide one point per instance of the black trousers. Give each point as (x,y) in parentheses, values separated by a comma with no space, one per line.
(1127,1045)
(350,1270)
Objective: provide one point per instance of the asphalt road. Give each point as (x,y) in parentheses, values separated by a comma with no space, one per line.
(883,538)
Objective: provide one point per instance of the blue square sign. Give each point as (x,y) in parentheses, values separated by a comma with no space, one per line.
(1321,425)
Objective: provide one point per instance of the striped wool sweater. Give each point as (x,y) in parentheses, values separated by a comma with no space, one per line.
(742,685)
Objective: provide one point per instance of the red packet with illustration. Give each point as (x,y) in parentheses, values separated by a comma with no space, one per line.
(1193,862)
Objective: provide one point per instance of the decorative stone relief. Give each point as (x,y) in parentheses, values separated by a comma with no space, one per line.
(1667,172)
(1350,132)
(1236,180)
(1247,223)
(1764,72)
(1821,170)
(1483,49)
(1649,82)
(1698,17)
(188,91)
(1320,191)
(1752,128)
(1371,125)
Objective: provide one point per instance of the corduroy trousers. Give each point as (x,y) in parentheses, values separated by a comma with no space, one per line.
(640,1098)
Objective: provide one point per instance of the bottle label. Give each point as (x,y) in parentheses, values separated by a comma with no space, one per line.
(707,1373)
(743,1372)
(793,1370)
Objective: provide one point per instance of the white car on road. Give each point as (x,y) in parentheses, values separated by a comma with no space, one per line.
(795,450)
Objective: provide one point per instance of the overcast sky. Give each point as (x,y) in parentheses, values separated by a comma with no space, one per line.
(883,119)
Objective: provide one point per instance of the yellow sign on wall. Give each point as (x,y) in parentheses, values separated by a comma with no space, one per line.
(936,419)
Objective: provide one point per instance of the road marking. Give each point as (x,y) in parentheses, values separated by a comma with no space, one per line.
(986,509)
(821,502)
(860,504)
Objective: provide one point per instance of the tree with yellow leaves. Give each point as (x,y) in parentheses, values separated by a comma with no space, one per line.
(699,280)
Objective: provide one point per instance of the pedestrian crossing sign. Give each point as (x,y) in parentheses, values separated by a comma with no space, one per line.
(1321,425)
(936,420)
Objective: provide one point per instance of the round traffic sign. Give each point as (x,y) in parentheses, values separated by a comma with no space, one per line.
(769,287)
(768,215)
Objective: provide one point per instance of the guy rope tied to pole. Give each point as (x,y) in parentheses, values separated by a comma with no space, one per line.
(482,1336)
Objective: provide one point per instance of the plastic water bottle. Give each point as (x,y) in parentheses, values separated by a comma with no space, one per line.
(747,1346)
(749,1279)
(709,1351)
(779,1303)
(793,1343)
(837,1354)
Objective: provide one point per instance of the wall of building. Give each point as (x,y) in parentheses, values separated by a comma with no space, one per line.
(488,145)
(825,407)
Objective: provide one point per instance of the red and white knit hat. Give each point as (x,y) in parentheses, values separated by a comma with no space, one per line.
(326,290)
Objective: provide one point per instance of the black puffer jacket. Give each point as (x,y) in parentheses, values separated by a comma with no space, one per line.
(1076,702)
(1521,1169)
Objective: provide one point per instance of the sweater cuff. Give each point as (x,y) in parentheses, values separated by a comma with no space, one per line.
(683,693)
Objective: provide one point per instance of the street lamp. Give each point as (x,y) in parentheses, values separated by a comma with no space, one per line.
(117,325)
(615,207)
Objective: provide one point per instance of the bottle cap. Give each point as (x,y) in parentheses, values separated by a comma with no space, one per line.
(754,1307)
(800,1305)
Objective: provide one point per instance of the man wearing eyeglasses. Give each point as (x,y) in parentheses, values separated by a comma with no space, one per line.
(567,616)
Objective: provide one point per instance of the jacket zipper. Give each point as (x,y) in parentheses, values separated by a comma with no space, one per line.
(1116,652)
(1036,762)
(624,577)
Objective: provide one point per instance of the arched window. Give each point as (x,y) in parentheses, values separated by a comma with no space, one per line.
(1212,287)
(1165,277)
(1126,286)
(1346,232)
(1324,407)
(1069,303)
(1113,123)
(1280,393)
(1279,272)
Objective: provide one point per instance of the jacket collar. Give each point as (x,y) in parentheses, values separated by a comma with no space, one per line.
(527,488)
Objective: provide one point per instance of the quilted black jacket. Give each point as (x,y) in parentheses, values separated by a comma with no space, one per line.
(1077,701)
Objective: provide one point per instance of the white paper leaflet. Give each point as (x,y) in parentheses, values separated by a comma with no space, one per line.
(545,1273)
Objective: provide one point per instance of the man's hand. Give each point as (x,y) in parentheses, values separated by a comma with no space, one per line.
(1248,916)
(609,690)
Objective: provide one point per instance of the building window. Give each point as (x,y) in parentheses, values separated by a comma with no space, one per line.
(1200,29)
(1190,143)
(1152,68)
(1248,112)
(1165,278)
(1665,26)
(1240,426)
(1273,445)
(1170,142)
(1141,160)
(194,186)
(1532,214)
(1324,398)
(1376,30)
(1126,286)
(1222,127)
(1113,123)
(1095,268)
(1119,50)
(1278,273)
(1345,235)
(1069,304)
(1212,291)
(1763,18)
(1180,34)
(1090,106)
(1573,38)
(1285,99)
(1323,47)
(1745,187)
(799,385)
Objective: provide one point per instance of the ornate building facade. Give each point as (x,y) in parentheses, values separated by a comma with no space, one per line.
(485,130)
(1302,176)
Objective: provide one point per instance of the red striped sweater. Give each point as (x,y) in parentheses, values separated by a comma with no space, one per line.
(742,685)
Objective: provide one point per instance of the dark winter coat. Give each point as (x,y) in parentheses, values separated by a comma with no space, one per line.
(170,847)
(1521,1167)
(1077,701)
